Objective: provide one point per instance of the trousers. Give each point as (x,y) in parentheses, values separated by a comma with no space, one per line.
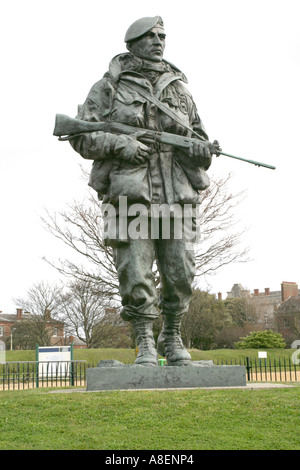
(134,262)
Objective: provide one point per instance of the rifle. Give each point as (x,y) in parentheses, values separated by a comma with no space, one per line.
(71,128)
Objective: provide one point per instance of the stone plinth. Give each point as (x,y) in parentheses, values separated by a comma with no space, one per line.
(113,375)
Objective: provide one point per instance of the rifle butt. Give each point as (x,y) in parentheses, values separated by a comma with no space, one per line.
(65,125)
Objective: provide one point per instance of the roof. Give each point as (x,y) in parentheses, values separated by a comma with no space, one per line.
(9,317)
(290,305)
(12,317)
(78,342)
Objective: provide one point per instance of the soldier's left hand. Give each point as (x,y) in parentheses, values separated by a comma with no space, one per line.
(201,153)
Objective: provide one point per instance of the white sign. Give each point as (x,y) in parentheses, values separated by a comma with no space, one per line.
(296,354)
(54,361)
(262,354)
(2,352)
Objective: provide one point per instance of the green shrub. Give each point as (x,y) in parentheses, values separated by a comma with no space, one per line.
(261,339)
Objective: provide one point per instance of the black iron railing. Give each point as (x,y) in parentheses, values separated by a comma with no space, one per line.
(35,374)
(267,370)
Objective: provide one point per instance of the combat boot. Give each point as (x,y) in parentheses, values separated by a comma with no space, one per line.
(143,331)
(170,345)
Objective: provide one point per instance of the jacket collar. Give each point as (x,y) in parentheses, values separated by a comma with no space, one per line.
(131,65)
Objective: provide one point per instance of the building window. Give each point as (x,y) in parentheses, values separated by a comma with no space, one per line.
(286,323)
(54,332)
(1,330)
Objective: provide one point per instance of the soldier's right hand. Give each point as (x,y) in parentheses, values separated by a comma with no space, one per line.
(131,150)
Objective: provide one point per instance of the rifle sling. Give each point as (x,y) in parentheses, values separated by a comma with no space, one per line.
(145,94)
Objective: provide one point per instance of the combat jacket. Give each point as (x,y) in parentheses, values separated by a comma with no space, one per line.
(170,176)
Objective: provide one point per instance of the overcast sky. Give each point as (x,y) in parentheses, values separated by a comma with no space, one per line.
(242,61)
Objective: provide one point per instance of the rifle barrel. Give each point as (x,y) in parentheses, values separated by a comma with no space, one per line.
(271,167)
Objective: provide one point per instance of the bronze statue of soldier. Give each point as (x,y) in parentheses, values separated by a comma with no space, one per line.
(142,89)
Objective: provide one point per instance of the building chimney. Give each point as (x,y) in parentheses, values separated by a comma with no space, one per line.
(48,315)
(111,310)
(288,289)
(19,313)
(256,292)
(220,296)
(267,290)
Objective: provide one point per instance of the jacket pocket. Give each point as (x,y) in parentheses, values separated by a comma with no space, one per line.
(196,175)
(99,177)
(184,192)
(131,181)
(128,108)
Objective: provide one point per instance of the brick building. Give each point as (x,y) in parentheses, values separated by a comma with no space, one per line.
(77,343)
(266,302)
(8,322)
(288,318)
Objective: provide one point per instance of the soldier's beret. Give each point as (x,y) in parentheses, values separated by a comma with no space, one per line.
(141,27)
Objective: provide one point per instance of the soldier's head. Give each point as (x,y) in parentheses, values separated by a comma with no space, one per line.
(145,38)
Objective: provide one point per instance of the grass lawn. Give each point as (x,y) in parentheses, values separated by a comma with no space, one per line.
(127,356)
(154,420)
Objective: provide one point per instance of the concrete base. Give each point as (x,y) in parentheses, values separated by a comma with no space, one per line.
(127,377)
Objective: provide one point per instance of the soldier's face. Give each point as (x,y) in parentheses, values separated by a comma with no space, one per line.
(151,46)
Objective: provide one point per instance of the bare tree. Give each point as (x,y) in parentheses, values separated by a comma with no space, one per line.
(220,243)
(42,305)
(89,314)
(79,228)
